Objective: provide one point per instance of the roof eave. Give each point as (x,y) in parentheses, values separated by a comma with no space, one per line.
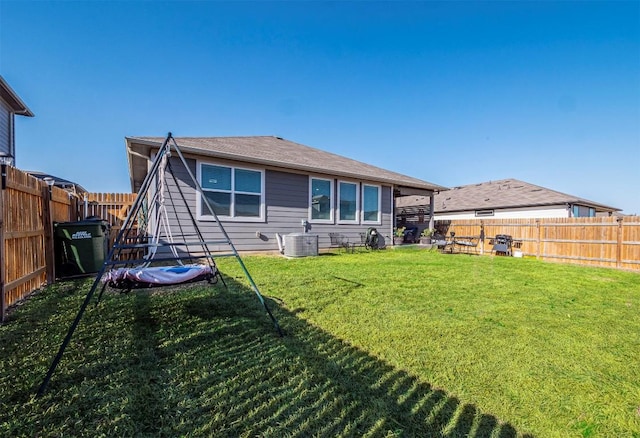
(17,105)
(598,207)
(150,145)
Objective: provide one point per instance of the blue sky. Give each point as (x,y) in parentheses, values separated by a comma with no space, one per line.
(453,93)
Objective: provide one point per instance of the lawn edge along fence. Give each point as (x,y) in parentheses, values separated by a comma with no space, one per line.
(612,242)
(28,210)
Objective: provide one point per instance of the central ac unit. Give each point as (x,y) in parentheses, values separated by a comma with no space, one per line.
(300,245)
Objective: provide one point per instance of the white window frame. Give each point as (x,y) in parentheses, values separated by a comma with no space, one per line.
(356,219)
(200,205)
(332,201)
(379,220)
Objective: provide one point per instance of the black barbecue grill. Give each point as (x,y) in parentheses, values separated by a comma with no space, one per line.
(502,244)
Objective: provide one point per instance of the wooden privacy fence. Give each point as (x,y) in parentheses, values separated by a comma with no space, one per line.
(111,207)
(601,241)
(28,209)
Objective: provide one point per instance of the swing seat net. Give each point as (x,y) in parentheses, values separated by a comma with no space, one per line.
(162,224)
(126,278)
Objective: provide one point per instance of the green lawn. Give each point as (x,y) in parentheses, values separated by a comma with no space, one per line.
(392,343)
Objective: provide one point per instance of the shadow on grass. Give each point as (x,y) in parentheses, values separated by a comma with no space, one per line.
(207,362)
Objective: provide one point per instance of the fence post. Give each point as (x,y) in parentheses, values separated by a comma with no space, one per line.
(73,208)
(619,243)
(538,238)
(47,219)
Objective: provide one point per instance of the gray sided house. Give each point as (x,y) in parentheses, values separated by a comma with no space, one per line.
(263,185)
(506,199)
(10,105)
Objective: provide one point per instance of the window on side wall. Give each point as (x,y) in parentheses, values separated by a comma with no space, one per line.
(371,200)
(233,193)
(348,202)
(583,211)
(320,200)
(575,211)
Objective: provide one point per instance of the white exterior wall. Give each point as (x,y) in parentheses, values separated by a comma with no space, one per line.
(510,213)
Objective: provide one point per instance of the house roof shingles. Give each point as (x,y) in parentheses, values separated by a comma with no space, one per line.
(278,152)
(506,193)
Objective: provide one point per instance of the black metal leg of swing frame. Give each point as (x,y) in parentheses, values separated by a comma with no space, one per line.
(273,319)
(264,304)
(67,339)
(104,286)
(219,274)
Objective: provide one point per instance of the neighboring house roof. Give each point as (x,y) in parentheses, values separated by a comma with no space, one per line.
(12,99)
(269,151)
(506,193)
(65,184)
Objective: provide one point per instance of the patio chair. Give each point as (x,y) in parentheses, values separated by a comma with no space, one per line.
(468,244)
(340,241)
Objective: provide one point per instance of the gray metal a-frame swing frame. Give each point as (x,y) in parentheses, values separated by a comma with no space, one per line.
(129,242)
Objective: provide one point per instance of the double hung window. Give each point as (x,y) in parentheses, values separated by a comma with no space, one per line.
(354,203)
(370,204)
(321,200)
(348,202)
(232,192)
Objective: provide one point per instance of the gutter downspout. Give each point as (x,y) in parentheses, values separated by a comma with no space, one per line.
(280,241)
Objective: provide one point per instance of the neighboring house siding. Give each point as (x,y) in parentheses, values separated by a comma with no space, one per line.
(509,213)
(6,135)
(287,205)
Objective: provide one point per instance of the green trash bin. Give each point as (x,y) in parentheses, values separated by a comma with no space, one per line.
(80,247)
